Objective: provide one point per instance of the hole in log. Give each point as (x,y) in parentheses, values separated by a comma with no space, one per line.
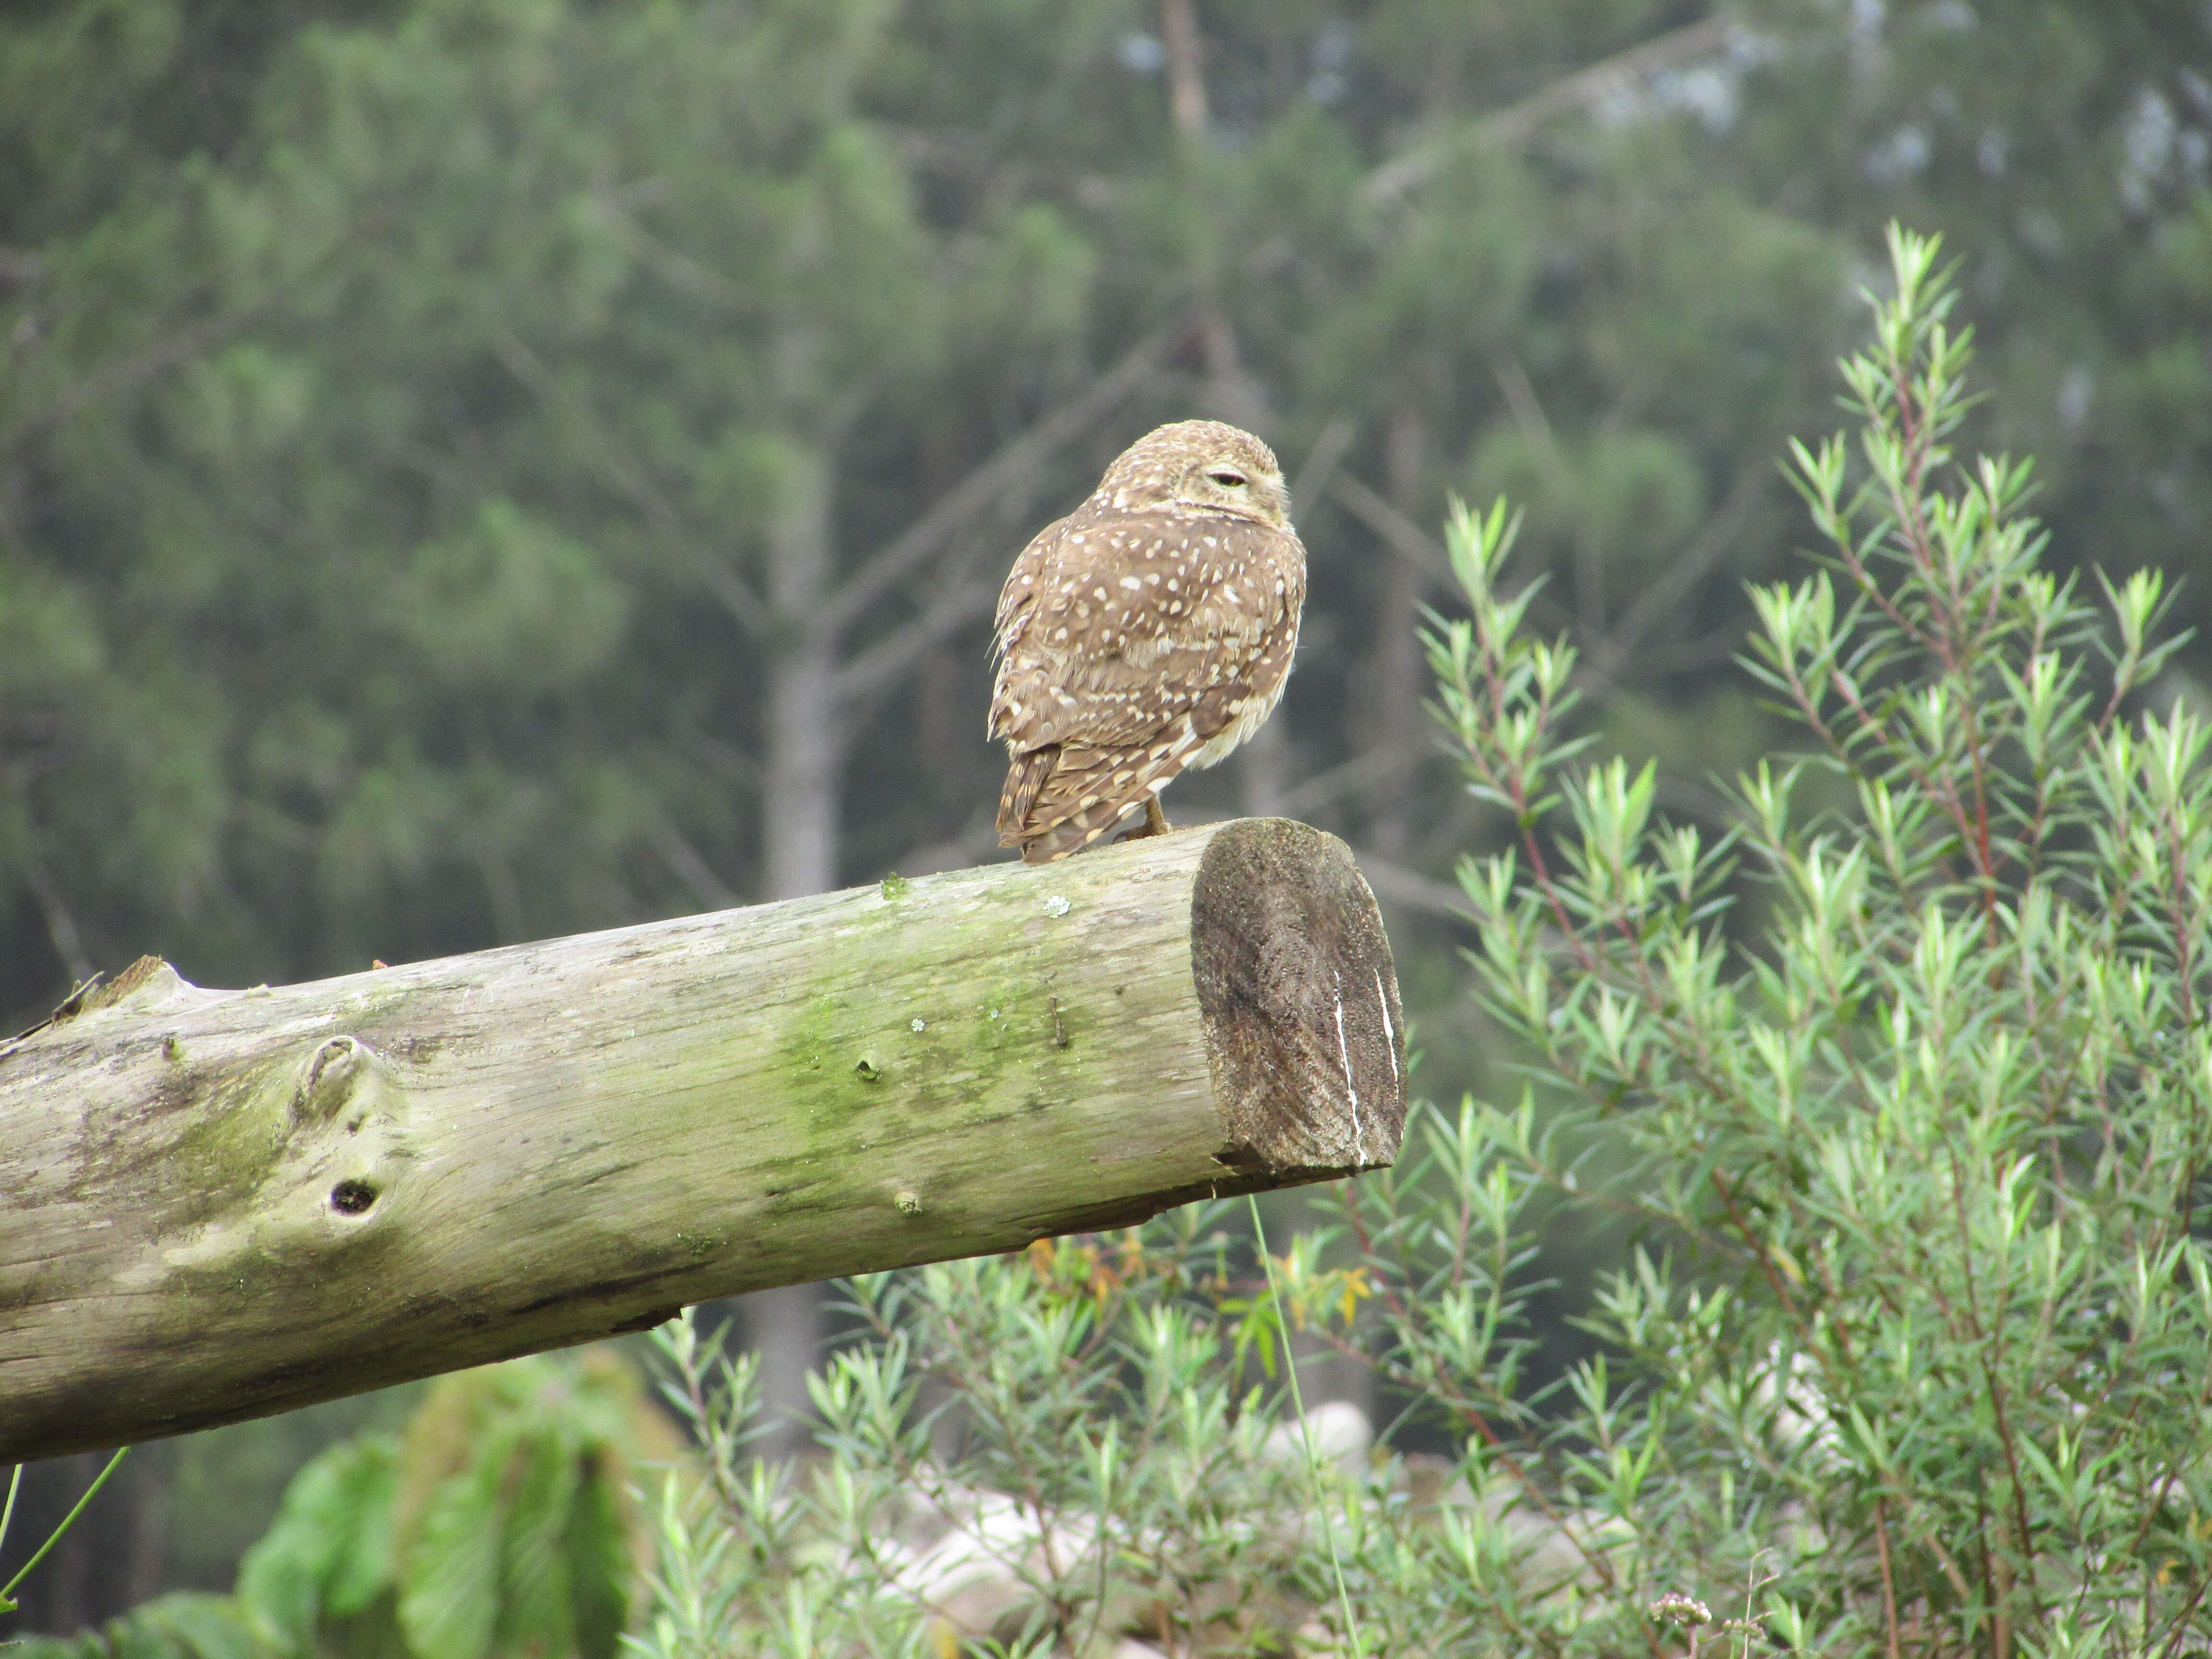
(352,1197)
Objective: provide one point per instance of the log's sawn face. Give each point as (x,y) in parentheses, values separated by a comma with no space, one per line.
(219,1204)
(1300,999)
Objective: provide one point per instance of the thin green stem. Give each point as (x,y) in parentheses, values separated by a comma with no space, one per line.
(1306,1434)
(8,1512)
(68,1519)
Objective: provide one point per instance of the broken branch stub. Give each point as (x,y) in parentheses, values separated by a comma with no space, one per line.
(219,1204)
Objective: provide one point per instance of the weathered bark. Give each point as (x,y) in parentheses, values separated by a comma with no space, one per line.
(219,1204)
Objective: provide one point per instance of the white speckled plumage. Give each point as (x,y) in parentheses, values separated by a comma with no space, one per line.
(1149,631)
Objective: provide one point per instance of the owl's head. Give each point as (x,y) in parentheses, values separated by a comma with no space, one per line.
(1204,465)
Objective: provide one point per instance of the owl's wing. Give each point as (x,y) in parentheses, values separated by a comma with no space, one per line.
(1108,633)
(1024,587)
(1125,647)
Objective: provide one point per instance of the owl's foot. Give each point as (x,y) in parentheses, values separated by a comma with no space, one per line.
(1155,823)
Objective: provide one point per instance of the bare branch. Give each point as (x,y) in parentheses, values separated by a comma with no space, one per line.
(495,1154)
(53,909)
(687,864)
(1528,411)
(875,667)
(1697,561)
(636,484)
(741,771)
(676,268)
(1186,83)
(924,539)
(1363,771)
(1399,533)
(1321,461)
(976,841)
(118,377)
(1517,122)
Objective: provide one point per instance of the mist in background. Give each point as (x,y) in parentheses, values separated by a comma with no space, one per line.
(474,470)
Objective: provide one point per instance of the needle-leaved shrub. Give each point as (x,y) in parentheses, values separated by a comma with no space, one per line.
(1905,1080)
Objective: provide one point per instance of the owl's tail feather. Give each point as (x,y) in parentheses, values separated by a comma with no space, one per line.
(1059,800)
(1024,777)
(1073,835)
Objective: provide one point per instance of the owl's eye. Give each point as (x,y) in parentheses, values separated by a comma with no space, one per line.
(1227,478)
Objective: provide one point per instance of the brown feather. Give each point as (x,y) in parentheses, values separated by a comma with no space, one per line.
(1024,779)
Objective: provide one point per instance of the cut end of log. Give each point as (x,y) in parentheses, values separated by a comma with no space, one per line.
(1300,1000)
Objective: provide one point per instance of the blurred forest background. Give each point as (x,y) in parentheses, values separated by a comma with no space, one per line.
(473,470)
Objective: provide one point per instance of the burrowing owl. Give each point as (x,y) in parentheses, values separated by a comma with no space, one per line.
(1149,630)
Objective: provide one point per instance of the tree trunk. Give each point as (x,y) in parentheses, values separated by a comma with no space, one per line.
(805,744)
(216,1205)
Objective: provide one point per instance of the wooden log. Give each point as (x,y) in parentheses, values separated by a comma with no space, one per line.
(216,1205)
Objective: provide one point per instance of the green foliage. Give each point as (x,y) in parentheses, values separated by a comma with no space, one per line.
(1920,1334)
(509,1525)
(231,1481)
(183,1624)
(1045,1450)
(323,1573)
(1916,1350)
(500,1523)
(406,592)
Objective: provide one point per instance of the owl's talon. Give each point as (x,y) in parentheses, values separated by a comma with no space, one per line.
(1155,823)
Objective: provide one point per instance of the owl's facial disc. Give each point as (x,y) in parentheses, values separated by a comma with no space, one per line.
(1232,484)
